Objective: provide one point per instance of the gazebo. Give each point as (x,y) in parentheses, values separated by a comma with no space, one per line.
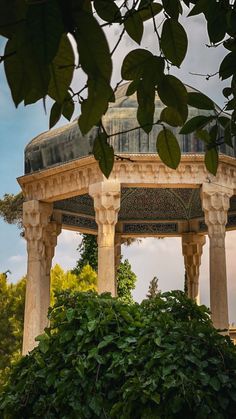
(64,188)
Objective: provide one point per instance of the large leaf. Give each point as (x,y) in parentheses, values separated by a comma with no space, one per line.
(92,109)
(200,101)
(174,41)
(228,66)
(11,15)
(172,7)
(135,63)
(61,70)
(168,148)
(173,93)
(216,25)
(212,160)
(171,116)
(44,25)
(151,10)
(146,105)
(134,26)
(104,154)
(68,107)
(107,10)
(195,123)
(55,114)
(93,49)
(15,74)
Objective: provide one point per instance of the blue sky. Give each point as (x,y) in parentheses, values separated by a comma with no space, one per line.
(151,257)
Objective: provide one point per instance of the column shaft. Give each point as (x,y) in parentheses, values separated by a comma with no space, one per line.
(41,236)
(215,203)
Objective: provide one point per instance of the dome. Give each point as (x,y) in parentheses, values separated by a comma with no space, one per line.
(61,145)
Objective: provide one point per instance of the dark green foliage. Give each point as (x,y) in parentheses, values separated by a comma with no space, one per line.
(88,250)
(102,358)
(12,300)
(126,281)
(153,289)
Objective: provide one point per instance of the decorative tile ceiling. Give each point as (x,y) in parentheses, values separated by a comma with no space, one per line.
(148,204)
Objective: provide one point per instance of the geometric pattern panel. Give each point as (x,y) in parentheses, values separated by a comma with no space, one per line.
(150,228)
(160,204)
(73,220)
(82,204)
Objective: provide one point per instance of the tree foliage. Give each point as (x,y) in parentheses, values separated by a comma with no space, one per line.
(88,253)
(102,358)
(12,298)
(40,62)
(12,301)
(11,208)
(153,289)
(126,281)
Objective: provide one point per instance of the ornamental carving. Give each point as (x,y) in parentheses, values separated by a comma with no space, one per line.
(215,204)
(40,233)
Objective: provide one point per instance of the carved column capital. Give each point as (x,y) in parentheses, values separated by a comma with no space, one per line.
(36,217)
(106,196)
(215,204)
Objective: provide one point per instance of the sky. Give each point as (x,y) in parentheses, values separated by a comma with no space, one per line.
(151,257)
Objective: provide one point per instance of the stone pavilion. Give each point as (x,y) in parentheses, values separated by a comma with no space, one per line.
(65,189)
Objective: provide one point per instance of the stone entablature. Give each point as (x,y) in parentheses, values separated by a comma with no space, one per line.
(73,178)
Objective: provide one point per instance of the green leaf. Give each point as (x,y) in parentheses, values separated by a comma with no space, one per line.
(107,10)
(168,148)
(211,160)
(93,49)
(172,7)
(68,108)
(132,88)
(92,108)
(135,63)
(61,71)
(11,16)
(104,154)
(151,10)
(173,93)
(195,123)
(216,24)
(200,7)
(15,74)
(228,66)
(55,114)
(174,41)
(171,116)
(200,101)
(133,25)
(44,25)
(203,135)
(146,105)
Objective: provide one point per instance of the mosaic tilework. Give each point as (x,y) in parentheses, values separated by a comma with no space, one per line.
(73,220)
(150,228)
(82,204)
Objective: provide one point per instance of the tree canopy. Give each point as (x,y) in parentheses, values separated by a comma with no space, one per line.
(102,358)
(48,41)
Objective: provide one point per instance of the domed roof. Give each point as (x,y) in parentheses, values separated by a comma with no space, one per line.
(64,144)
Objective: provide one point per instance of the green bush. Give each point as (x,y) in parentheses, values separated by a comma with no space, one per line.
(102,358)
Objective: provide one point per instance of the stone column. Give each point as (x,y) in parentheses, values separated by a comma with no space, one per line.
(106,196)
(41,236)
(118,242)
(215,204)
(192,245)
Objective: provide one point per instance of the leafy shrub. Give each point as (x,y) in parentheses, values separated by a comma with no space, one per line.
(102,358)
